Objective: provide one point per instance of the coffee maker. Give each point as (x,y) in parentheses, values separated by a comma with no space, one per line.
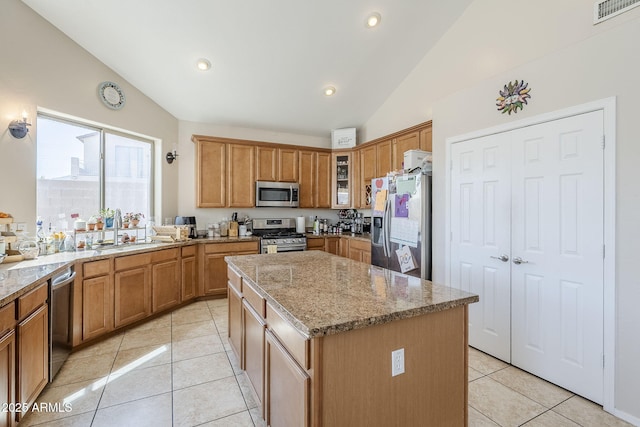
(358,222)
(190,222)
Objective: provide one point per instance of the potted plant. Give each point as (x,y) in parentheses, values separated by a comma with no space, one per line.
(108,214)
(134,218)
(99,222)
(91,223)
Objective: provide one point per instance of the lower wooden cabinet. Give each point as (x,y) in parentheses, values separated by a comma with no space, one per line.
(165,279)
(253,348)
(359,250)
(332,245)
(7,374)
(235,322)
(315,244)
(189,271)
(287,386)
(213,267)
(132,292)
(97,306)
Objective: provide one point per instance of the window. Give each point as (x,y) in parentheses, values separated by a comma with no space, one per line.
(82,169)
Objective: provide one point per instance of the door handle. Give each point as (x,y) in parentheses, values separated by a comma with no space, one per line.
(503,257)
(517,260)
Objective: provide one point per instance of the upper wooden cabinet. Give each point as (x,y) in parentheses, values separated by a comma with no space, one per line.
(341,180)
(276,164)
(287,165)
(314,178)
(241,188)
(410,141)
(384,158)
(425,138)
(211,174)
(323,182)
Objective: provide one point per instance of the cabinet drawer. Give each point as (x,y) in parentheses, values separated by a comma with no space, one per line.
(254,299)
(7,317)
(164,255)
(315,243)
(294,341)
(235,281)
(130,261)
(95,268)
(189,251)
(32,300)
(363,245)
(218,248)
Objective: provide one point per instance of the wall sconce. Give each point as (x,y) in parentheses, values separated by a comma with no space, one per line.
(171,156)
(18,128)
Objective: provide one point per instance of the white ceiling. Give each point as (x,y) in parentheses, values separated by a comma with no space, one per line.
(271,59)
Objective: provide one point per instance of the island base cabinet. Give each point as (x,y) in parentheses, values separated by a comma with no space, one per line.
(235,323)
(7,376)
(287,387)
(254,327)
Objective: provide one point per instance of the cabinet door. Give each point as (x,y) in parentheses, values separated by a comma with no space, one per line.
(367,173)
(286,387)
(344,247)
(315,244)
(287,165)
(211,173)
(266,164)
(307,178)
(165,279)
(384,157)
(7,376)
(410,141)
(189,278)
(322,188)
(425,139)
(33,356)
(97,315)
(132,295)
(235,322)
(253,349)
(215,279)
(241,187)
(355,254)
(331,245)
(341,180)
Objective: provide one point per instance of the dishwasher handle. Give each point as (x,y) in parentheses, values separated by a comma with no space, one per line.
(65,281)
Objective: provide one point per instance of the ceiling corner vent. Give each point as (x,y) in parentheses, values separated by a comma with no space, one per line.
(606,9)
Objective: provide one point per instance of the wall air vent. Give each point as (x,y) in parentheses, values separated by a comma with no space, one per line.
(606,9)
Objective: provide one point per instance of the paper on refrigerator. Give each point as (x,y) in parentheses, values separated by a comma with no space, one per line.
(405,231)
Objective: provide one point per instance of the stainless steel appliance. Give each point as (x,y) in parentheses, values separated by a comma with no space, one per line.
(190,222)
(60,320)
(279,235)
(277,194)
(401,224)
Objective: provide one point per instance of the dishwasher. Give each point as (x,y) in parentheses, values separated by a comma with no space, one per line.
(60,320)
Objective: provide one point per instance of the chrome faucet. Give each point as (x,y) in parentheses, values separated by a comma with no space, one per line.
(118,218)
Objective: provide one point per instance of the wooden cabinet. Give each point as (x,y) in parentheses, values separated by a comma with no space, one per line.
(322,187)
(211,174)
(132,289)
(315,244)
(97,299)
(410,141)
(425,138)
(234,301)
(368,172)
(314,178)
(287,386)
(241,186)
(287,165)
(359,250)
(332,245)
(189,271)
(266,164)
(341,180)
(165,279)
(384,158)
(7,362)
(32,345)
(213,269)
(253,348)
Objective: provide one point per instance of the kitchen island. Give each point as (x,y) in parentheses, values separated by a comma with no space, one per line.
(315,333)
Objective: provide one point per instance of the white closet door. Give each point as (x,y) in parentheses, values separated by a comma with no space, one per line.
(557,228)
(480,218)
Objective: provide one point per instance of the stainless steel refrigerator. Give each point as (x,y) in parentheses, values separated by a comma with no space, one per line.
(401,223)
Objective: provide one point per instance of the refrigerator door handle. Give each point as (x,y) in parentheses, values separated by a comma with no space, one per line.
(387,228)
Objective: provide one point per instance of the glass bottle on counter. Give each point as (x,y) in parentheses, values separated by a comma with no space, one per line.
(224,227)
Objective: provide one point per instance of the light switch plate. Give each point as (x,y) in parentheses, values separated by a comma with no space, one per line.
(397,362)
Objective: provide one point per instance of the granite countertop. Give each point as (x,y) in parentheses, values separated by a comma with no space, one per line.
(323,294)
(363,236)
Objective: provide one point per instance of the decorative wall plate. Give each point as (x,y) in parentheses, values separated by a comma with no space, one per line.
(111,95)
(514,95)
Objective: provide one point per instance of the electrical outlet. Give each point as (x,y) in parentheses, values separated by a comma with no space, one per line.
(397,362)
(21,226)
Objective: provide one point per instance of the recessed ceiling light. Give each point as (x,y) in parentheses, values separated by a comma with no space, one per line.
(203,64)
(329,91)
(373,19)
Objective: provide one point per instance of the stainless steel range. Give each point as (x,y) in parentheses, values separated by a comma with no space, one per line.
(279,234)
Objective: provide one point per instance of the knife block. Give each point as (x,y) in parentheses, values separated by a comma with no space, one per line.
(233,229)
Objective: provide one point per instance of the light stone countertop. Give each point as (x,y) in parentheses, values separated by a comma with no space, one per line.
(323,294)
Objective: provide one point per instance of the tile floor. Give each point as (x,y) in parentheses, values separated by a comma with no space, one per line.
(178,370)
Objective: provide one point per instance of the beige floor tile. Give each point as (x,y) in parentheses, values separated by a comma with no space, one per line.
(152,411)
(531,386)
(136,384)
(241,419)
(85,369)
(484,363)
(235,364)
(551,419)
(186,315)
(207,402)
(476,419)
(196,347)
(145,337)
(163,321)
(587,413)
(143,357)
(501,404)
(190,372)
(192,330)
(220,302)
(256,416)
(248,393)
(81,420)
(472,374)
(83,397)
(110,345)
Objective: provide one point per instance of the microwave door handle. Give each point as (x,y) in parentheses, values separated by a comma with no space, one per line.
(290,194)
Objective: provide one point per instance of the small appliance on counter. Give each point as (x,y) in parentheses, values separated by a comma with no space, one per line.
(190,222)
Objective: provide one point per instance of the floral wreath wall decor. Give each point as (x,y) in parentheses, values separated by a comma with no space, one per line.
(513,96)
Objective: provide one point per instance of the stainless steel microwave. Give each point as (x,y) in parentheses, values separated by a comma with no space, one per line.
(277,194)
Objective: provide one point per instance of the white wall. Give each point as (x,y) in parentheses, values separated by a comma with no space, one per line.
(567,61)
(42,68)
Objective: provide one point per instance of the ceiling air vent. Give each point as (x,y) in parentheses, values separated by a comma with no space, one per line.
(606,9)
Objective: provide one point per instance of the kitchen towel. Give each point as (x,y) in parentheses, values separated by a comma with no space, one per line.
(272,249)
(300,224)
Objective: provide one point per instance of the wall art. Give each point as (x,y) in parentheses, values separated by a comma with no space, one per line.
(513,96)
